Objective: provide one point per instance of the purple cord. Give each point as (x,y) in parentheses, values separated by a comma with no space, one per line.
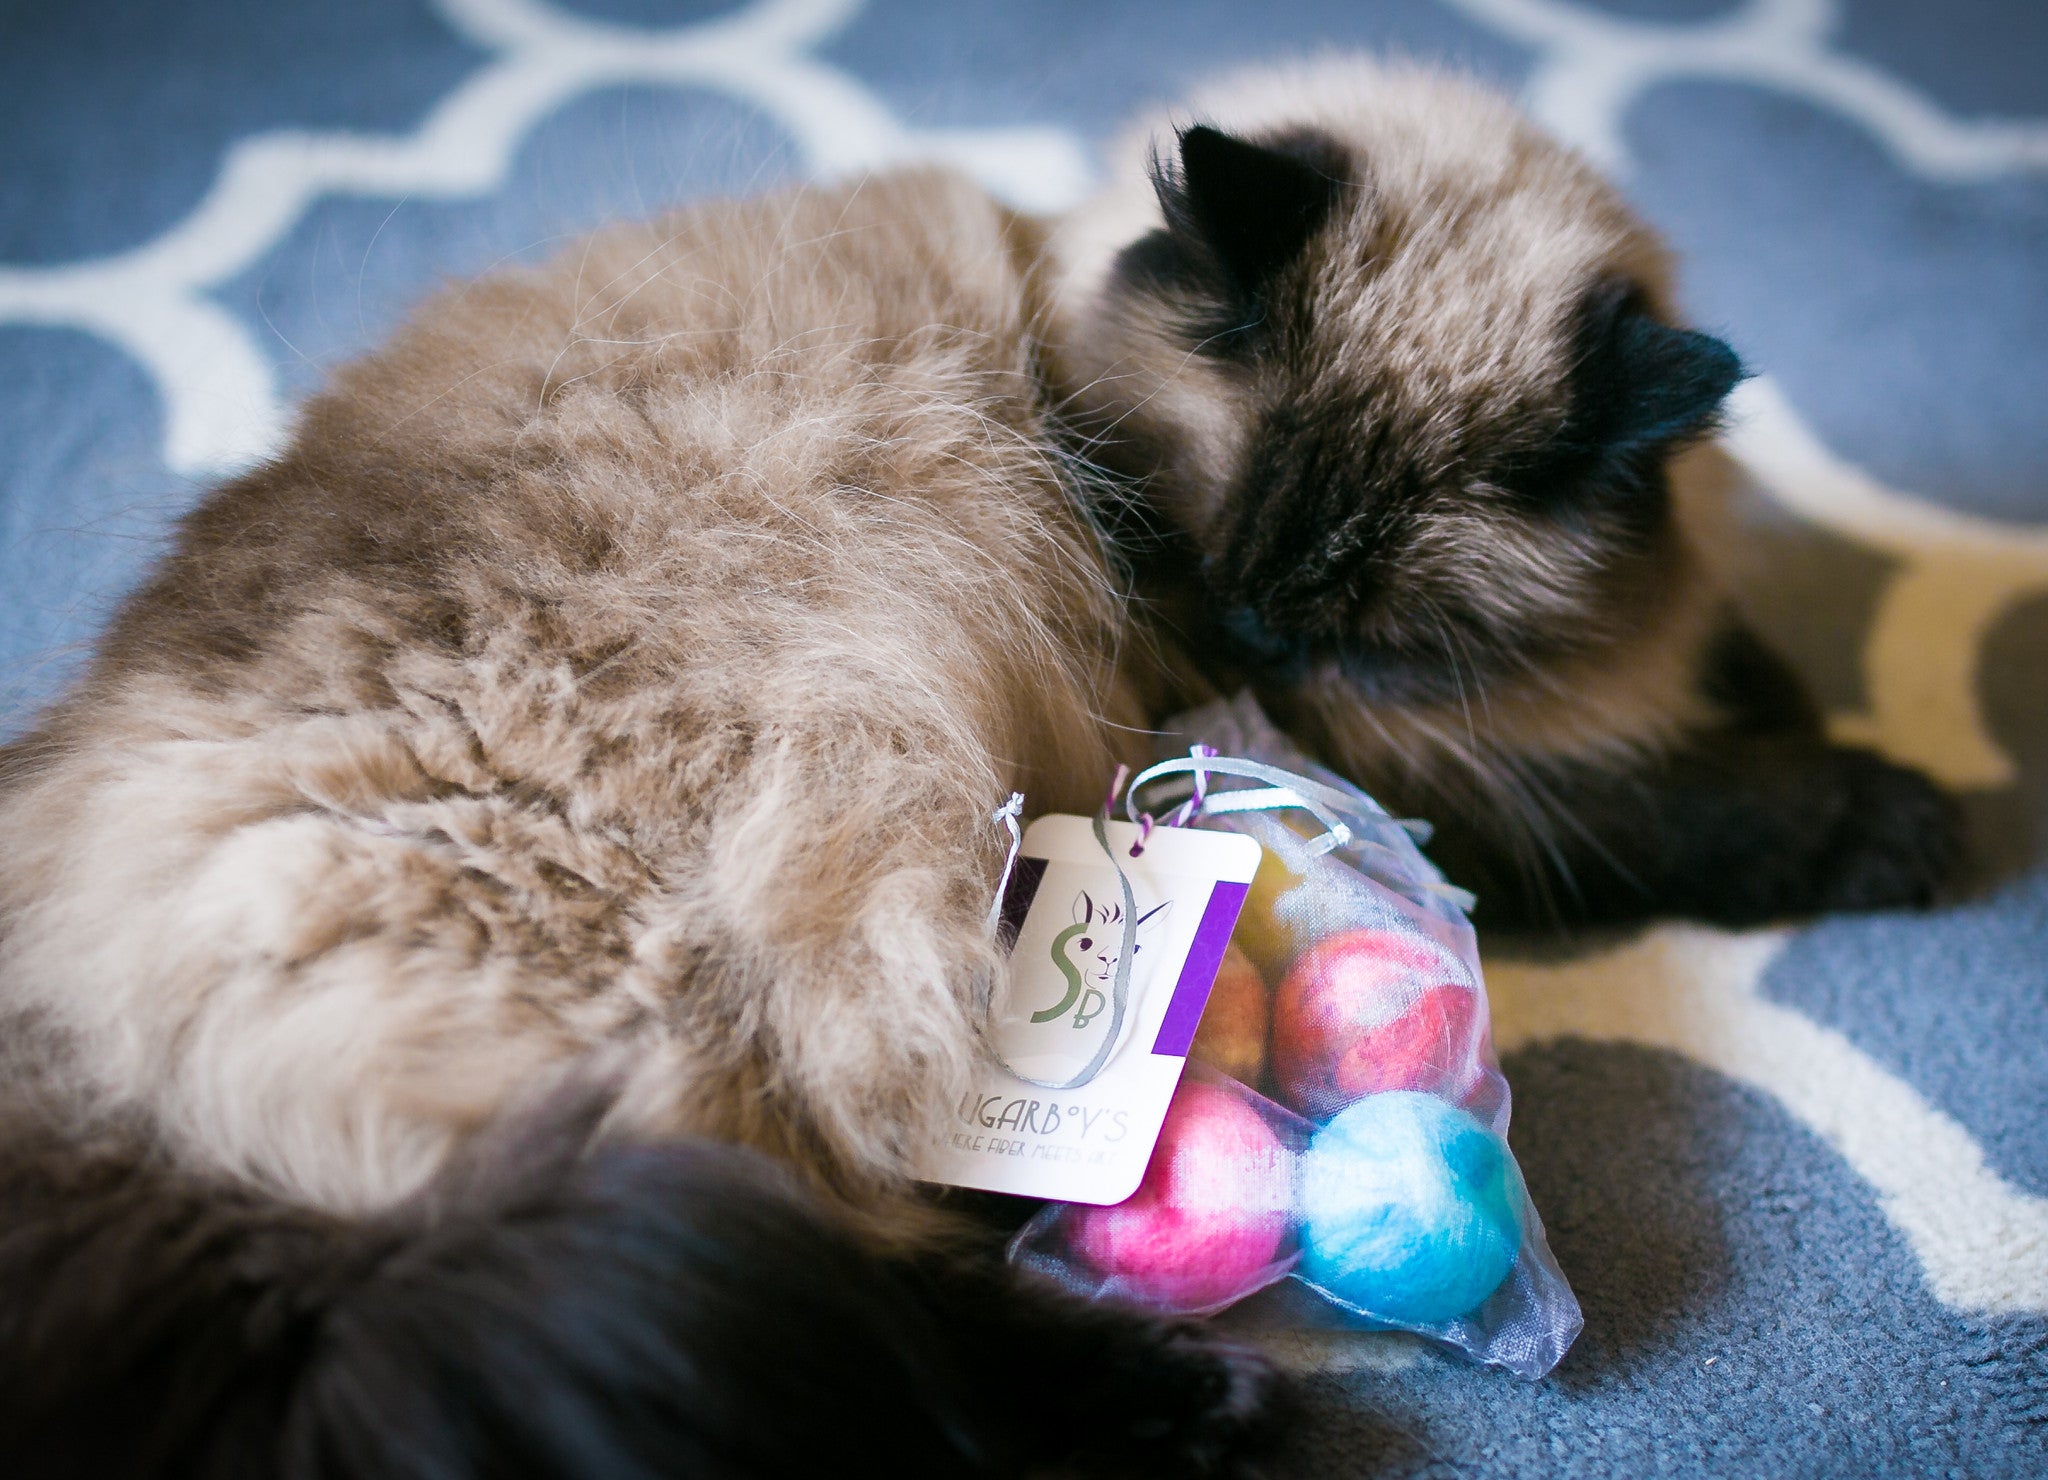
(1193,805)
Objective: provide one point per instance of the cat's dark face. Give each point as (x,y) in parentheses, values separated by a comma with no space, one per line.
(1419,424)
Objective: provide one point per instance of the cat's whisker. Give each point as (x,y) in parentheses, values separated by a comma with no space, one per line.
(1456,654)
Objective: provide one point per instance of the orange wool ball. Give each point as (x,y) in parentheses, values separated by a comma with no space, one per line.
(1232,1036)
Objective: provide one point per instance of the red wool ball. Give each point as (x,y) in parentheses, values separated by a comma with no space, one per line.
(1208,1220)
(1369,1011)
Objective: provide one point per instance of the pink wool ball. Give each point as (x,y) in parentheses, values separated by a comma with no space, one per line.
(1368,1011)
(1208,1220)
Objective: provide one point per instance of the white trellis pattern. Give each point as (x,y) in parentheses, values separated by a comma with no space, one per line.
(223,407)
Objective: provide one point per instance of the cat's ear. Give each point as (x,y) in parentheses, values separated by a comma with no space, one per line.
(1641,383)
(1251,207)
(1084,908)
(1150,922)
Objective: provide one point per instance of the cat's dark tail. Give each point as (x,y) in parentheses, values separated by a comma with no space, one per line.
(552,1309)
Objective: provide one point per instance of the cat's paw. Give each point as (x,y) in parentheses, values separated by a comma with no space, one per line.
(1197,1405)
(1743,829)
(1896,841)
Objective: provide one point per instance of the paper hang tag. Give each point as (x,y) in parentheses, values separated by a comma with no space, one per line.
(1065,910)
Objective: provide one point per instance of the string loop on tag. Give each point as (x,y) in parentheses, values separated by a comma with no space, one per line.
(1287,790)
(1006,815)
(1284,789)
(1116,788)
(1192,807)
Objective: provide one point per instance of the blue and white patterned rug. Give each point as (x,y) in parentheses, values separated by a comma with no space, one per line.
(1799,1177)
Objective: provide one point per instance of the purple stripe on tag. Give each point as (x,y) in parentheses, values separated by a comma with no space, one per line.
(1191,992)
(1024,881)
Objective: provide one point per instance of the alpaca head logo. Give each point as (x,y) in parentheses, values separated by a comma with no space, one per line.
(1087,953)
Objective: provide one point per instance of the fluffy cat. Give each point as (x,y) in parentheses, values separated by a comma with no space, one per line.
(577,747)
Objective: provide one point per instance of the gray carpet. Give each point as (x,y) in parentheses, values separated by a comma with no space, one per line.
(1799,1178)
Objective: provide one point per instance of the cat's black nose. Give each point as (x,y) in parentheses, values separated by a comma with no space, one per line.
(1246,633)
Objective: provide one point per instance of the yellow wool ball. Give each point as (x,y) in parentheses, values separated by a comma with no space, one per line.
(1261,932)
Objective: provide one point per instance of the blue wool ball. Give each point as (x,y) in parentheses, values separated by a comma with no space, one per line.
(1411,1209)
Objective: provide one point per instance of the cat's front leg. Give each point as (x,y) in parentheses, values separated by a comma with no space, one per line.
(1750,815)
(1735,827)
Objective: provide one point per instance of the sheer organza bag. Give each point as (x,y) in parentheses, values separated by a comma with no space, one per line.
(1343,1120)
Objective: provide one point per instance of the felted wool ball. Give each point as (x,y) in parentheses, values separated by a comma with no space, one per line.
(1262,933)
(1232,1035)
(1368,1011)
(1411,1210)
(1210,1215)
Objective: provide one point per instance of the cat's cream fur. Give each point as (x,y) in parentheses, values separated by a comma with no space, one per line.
(625,658)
